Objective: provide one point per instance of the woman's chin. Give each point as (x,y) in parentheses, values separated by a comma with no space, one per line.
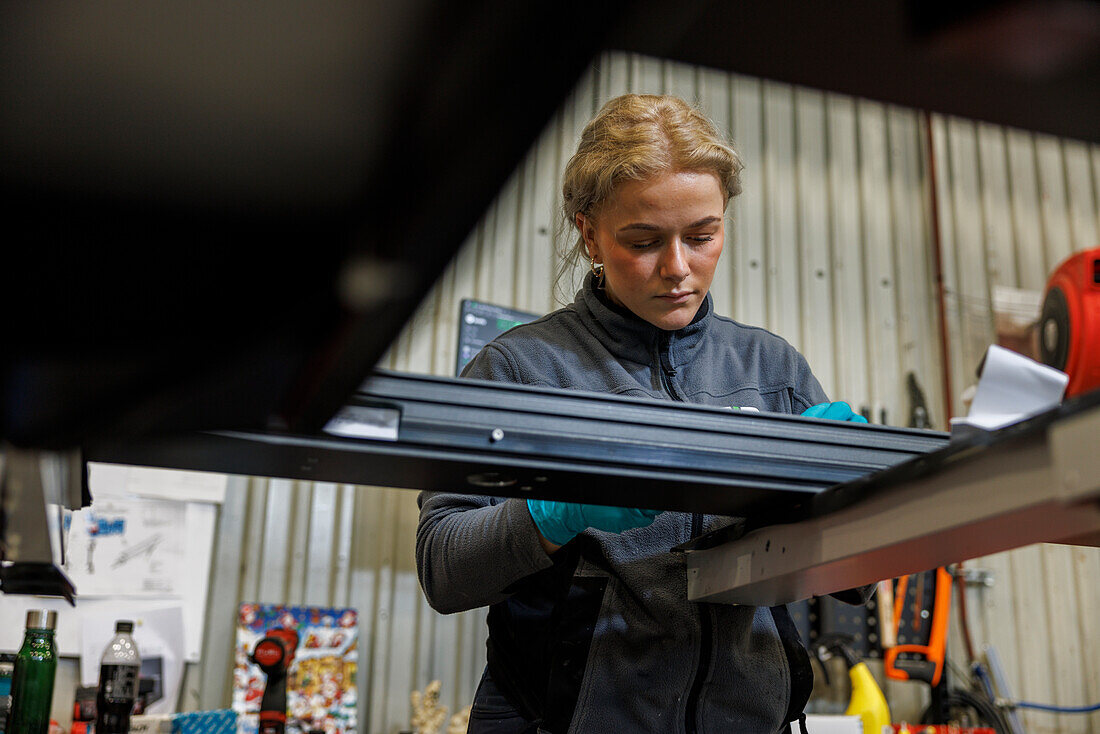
(672,320)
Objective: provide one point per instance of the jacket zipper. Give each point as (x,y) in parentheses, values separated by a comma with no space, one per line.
(705,632)
(705,644)
(667,371)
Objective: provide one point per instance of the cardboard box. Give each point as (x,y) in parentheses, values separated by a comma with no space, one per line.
(151,724)
(195,722)
(823,724)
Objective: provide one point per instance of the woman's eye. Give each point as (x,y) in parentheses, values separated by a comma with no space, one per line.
(642,245)
(700,239)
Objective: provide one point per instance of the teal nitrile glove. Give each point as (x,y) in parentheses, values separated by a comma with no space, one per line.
(559,522)
(839,411)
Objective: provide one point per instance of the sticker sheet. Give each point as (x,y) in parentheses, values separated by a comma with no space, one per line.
(320,666)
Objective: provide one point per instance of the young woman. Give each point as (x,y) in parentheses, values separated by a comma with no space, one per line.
(590,629)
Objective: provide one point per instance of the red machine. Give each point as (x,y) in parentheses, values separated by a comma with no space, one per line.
(939,729)
(1069,328)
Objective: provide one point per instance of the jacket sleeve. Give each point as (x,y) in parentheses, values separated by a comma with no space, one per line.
(493,362)
(807,391)
(470,549)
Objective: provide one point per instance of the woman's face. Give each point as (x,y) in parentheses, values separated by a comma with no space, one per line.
(659,240)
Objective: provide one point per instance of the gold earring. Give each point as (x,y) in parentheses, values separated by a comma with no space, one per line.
(597,269)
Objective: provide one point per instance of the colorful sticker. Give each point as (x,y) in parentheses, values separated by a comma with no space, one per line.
(321,693)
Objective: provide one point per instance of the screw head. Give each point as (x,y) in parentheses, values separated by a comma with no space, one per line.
(496,435)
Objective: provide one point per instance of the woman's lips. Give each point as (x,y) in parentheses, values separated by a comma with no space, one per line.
(676,296)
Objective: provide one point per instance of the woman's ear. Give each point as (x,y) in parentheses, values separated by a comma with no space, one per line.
(588,234)
(580,221)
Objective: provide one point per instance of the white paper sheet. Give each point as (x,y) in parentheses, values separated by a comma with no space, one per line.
(1012,387)
(117,480)
(128,547)
(198,533)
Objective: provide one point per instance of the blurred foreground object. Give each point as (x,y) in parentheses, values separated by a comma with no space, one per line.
(37,489)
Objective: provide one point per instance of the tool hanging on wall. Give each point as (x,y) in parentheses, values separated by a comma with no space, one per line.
(918,408)
(922,605)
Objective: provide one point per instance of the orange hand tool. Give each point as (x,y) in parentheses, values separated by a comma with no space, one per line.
(929,667)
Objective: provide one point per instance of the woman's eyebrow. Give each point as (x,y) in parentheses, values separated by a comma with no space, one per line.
(652,228)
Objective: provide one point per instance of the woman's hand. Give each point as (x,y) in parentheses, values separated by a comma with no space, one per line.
(559,522)
(839,411)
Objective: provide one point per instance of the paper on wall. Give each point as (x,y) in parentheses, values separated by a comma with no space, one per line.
(198,533)
(127,547)
(1012,387)
(117,480)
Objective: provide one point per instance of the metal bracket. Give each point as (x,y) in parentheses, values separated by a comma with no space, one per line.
(1030,483)
(977,577)
(36,488)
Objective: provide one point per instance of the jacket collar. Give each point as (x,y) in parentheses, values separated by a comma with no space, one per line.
(633,339)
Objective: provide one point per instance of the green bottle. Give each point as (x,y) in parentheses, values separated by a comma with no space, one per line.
(32,680)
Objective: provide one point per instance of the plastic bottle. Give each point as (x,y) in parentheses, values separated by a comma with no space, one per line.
(33,677)
(118,682)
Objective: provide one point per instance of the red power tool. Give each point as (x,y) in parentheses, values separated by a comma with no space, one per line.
(1069,328)
(274,654)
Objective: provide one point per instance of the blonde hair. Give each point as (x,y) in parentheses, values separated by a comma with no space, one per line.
(635,137)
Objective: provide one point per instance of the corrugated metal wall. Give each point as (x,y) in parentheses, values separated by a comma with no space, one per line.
(1012,206)
(831,247)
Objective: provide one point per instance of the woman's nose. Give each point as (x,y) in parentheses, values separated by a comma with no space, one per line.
(674,264)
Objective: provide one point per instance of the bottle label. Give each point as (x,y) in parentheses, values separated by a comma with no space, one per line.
(118,683)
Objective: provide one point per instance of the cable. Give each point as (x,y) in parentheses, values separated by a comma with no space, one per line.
(992,679)
(959,672)
(964,620)
(1056,709)
(984,680)
(987,712)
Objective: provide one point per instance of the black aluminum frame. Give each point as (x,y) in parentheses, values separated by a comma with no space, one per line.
(479,437)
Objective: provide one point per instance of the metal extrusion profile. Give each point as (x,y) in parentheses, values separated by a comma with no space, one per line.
(480,437)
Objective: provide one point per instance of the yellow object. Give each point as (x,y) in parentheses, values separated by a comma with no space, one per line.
(867,701)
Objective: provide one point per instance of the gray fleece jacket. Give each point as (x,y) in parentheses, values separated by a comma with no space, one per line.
(600,637)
